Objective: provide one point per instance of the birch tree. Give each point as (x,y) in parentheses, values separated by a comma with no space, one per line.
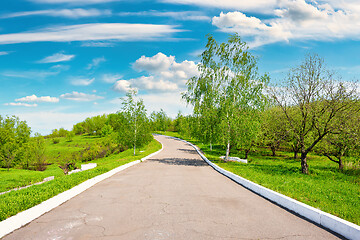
(137,129)
(228,84)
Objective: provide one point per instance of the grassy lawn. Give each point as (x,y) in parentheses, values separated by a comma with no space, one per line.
(17,201)
(20,177)
(326,188)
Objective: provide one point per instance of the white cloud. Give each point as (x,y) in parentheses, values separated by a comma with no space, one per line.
(171,103)
(111,78)
(98,44)
(154,64)
(21,104)
(78,96)
(31,74)
(73,2)
(95,62)
(81,81)
(122,86)
(57,57)
(181,15)
(67,13)
(165,74)
(92,32)
(294,20)
(263,6)
(4,53)
(34,98)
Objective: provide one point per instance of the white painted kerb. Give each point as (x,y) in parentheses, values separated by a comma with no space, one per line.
(9,225)
(331,222)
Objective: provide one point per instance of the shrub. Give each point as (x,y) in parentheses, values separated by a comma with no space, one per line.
(55,140)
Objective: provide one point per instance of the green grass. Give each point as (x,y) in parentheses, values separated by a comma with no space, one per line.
(19,177)
(326,188)
(16,201)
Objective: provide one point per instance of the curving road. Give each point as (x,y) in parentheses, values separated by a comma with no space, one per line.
(174,195)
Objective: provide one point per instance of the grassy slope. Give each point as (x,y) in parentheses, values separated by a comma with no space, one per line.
(325,188)
(20,177)
(17,201)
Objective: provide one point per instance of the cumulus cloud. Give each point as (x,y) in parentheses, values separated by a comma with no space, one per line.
(164,73)
(57,57)
(21,104)
(34,98)
(92,32)
(81,81)
(95,62)
(122,86)
(181,15)
(78,96)
(67,13)
(294,20)
(111,78)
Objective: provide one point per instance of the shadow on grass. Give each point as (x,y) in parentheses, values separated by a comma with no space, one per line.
(180,162)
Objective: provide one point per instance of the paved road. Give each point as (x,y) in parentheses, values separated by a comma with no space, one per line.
(174,195)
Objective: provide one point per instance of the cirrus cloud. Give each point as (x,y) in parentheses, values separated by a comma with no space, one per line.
(21,104)
(92,32)
(57,57)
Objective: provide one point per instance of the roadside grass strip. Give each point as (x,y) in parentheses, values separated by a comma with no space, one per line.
(17,208)
(328,221)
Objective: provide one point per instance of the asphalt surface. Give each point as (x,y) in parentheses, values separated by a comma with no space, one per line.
(174,195)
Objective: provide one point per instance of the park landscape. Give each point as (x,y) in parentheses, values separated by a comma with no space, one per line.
(300,135)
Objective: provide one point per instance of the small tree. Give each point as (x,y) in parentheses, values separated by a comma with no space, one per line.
(136,132)
(311,101)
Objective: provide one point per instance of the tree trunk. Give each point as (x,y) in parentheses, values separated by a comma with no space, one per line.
(273,150)
(341,164)
(134,149)
(210,146)
(304,165)
(247,153)
(227,152)
(295,154)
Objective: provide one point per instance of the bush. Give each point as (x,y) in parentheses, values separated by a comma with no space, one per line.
(55,140)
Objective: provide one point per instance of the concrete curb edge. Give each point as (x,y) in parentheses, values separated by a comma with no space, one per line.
(22,218)
(329,221)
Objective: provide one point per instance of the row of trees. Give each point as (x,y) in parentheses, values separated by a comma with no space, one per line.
(235,107)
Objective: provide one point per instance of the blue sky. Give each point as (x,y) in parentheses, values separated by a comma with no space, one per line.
(65,60)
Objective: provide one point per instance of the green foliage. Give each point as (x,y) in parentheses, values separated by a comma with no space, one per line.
(106,130)
(160,121)
(228,94)
(55,140)
(134,129)
(312,99)
(34,157)
(69,136)
(14,134)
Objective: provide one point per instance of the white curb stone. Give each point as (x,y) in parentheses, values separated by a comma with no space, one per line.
(331,222)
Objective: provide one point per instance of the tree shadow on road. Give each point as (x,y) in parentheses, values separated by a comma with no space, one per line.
(181,161)
(190,151)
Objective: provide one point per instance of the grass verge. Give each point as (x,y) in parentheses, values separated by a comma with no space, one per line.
(325,188)
(17,201)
